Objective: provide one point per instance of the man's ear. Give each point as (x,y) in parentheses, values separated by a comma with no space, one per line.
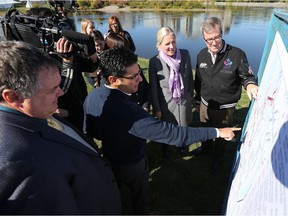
(12,97)
(113,81)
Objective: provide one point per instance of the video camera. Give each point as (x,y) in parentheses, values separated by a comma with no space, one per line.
(44,30)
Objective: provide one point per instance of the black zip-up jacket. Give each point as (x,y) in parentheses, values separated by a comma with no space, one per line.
(75,89)
(219,85)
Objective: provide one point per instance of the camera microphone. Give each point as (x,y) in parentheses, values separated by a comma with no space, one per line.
(75,36)
(80,38)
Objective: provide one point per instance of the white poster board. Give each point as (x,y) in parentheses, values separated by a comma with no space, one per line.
(260,184)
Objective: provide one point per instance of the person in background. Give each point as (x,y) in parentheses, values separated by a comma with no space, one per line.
(87,26)
(47,166)
(124,127)
(94,78)
(221,71)
(61,10)
(115,40)
(99,40)
(171,82)
(73,83)
(116,27)
(142,95)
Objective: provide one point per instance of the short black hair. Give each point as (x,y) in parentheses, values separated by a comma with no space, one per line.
(97,35)
(114,61)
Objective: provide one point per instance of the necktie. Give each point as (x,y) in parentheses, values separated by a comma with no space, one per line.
(54,124)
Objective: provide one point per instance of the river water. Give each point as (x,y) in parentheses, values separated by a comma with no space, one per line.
(244,27)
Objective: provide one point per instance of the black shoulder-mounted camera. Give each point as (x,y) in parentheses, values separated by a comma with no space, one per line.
(43,31)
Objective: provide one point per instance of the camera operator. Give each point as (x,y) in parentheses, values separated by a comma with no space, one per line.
(44,28)
(73,61)
(72,83)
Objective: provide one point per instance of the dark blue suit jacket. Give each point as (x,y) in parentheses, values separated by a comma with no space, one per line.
(44,171)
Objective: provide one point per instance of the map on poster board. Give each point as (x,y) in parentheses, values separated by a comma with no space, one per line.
(260,183)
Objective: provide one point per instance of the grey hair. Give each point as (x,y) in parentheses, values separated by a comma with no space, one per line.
(20,65)
(209,24)
(164,31)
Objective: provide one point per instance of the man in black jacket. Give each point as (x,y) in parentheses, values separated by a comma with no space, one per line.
(221,71)
(73,83)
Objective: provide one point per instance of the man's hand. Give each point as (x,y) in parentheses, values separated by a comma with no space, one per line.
(252,91)
(227,133)
(65,49)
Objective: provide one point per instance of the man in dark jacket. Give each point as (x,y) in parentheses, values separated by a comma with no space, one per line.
(73,83)
(124,126)
(47,166)
(221,71)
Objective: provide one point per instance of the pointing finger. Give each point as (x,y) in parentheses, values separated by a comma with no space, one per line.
(236,129)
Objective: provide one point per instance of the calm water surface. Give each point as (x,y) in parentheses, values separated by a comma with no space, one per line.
(244,27)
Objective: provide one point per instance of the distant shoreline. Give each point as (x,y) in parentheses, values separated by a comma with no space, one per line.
(114,8)
(253,4)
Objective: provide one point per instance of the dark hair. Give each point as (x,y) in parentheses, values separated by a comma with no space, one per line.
(114,61)
(97,35)
(115,40)
(20,65)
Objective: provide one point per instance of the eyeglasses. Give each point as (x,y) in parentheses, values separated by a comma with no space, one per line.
(133,76)
(114,24)
(211,40)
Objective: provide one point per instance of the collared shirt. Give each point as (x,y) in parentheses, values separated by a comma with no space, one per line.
(129,94)
(222,49)
(72,133)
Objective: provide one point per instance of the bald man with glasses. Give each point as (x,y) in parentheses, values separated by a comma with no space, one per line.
(221,71)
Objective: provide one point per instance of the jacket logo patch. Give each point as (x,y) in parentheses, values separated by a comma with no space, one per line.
(227,64)
(203,65)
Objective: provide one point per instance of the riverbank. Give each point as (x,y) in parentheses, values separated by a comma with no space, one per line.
(115,8)
(253,4)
